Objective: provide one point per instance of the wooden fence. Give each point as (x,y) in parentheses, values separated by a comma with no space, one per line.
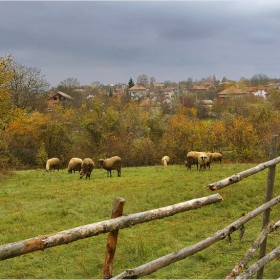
(117,222)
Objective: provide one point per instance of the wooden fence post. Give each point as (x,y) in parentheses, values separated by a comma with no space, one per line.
(117,211)
(268,196)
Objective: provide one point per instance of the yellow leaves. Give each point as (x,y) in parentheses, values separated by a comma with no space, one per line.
(242,139)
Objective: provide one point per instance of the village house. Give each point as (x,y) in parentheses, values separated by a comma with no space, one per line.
(232,92)
(58,98)
(167,92)
(258,91)
(137,91)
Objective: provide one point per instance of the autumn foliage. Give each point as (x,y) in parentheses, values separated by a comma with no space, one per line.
(107,126)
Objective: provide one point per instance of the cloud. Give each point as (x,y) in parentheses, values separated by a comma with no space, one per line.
(112,41)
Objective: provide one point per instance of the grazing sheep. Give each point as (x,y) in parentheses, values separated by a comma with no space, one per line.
(52,164)
(203,160)
(217,157)
(110,164)
(165,160)
(87,166)
(75,164)
(192,159)
(210,159)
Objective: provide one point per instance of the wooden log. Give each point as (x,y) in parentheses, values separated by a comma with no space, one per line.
(64,237)
(249,254)
(154,265)
(259,264)
(241,175)
(112,240)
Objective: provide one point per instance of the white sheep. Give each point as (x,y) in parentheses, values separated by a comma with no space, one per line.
(192,159)
(113,163)
(165,160)
(52,163)
(203,160)
(75,164)
(86,168)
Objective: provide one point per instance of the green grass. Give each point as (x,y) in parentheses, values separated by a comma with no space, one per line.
(35,202)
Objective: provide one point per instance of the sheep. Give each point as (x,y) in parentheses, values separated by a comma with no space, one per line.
(165,160)
(192,159)
(52,163)
(110,164)
(210,159)
(203,160)
(86,168)
(75,164)
(217,157)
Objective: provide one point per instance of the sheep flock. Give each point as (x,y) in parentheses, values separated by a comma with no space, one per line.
(202,159)
(85,166)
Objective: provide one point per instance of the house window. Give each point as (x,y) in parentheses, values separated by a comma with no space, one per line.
(55,98)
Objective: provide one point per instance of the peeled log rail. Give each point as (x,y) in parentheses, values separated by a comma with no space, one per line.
(259,264)
(244,174)
(64,237)
(154,265)
(270,227)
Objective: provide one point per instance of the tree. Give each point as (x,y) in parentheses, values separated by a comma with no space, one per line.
(5,77)
(95,84)
(260,79)
(243,139)
(110,92)
(130,83)
(167,83)
(152,80)
(274,98)
(27,86)
(68,85)
(143,80)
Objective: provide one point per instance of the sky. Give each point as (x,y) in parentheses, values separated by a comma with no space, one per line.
(111,41)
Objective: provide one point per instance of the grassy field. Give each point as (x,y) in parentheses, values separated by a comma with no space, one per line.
(34,202)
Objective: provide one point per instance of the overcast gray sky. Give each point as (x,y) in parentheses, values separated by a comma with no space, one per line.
(111,41)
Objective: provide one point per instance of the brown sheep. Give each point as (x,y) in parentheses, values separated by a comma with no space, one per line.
(192,159)
(52,163)
(203,160)
(87,167)
(75,164)
(217,157)
(110,164)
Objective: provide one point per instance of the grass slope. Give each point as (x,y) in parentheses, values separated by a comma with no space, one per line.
(35,202)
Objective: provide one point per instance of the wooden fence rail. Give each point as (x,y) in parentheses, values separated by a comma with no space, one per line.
(117,222)
(270,227)
(242,175)
(64,237)
(154,265)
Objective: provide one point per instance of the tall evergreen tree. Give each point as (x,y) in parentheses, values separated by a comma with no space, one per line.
(130,83)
